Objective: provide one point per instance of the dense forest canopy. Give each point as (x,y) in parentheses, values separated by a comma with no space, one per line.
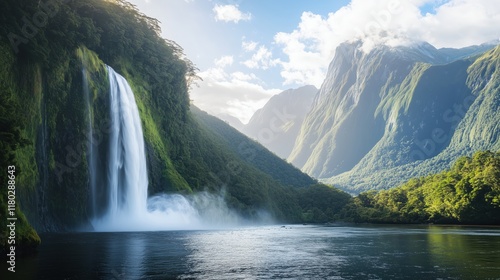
(468,193)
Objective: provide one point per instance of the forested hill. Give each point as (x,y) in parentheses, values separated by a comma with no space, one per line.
(252,152)
(468,193)
(54,51)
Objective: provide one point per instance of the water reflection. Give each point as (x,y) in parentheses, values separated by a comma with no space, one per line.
(466,250)
(273,252)
(386,252)
(259,252)
(125,257)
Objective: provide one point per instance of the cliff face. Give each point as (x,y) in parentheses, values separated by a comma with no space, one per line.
(58,84)
(394,113)
(342,125)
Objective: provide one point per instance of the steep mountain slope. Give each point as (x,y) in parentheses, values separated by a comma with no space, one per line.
(474,127)
(394,113)
(278,123)
(343,125)
(252,152)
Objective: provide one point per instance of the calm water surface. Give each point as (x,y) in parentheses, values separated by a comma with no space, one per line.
(271,252)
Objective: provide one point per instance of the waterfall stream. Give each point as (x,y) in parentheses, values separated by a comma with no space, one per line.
(127,171)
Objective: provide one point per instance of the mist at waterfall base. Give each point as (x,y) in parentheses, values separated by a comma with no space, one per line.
(119,179)
(198,211)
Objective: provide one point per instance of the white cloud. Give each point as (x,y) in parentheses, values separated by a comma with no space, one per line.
(455,23)
(460,23)
(249,46)
(229,13)
(237,94)
(261,59)
(224,61)
(244,77)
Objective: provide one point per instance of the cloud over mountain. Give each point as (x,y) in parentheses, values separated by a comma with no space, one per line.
(311,46)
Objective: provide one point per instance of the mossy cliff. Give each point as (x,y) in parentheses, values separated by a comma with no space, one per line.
(47,64)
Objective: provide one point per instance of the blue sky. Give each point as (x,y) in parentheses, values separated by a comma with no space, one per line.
(249,50)
(192,24)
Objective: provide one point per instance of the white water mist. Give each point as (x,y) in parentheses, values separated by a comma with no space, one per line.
(175,212)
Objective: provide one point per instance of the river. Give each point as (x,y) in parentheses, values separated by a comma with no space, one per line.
(270,252)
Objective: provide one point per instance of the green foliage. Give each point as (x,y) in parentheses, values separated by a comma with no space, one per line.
(253,153)
(468,193)
(14,146)
(321,203)
(26,237)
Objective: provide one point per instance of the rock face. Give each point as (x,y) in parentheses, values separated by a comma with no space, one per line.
(278,123)
(394,113)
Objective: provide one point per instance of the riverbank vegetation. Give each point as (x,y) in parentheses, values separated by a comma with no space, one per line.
(468,193)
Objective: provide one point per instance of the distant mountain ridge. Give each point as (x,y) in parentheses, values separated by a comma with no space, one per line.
(397,112)
(278,123)
(231,120)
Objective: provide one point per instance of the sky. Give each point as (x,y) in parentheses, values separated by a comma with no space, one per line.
(249,50)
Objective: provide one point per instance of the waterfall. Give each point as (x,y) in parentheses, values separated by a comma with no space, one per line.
(127,172)
(119,178)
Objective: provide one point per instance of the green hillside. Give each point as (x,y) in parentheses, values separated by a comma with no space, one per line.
(253,153)
(468,193)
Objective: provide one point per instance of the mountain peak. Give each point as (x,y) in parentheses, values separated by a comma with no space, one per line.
(418,51)
(414,51)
